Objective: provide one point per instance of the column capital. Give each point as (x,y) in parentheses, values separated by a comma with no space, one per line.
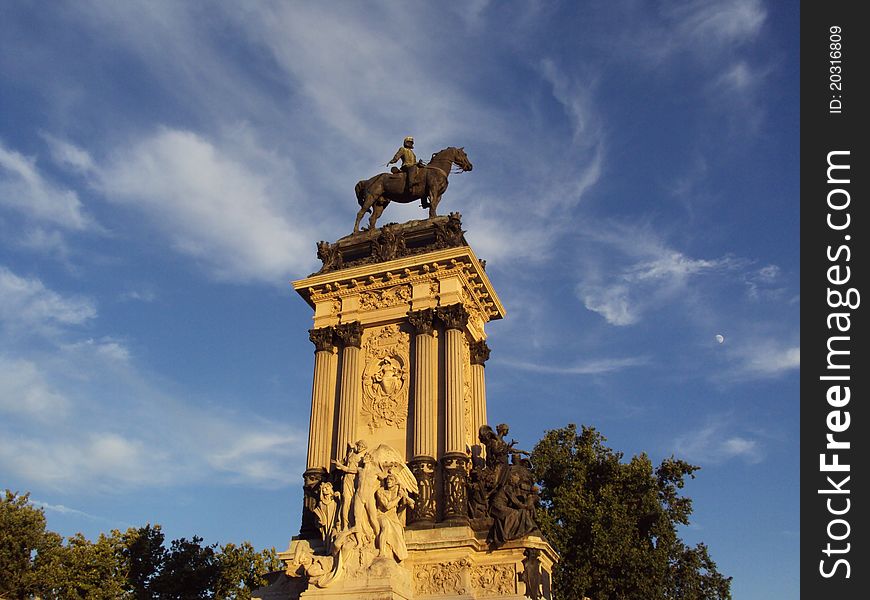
(454,316)
(423,321)
(323,338)
(350,334)
(479,352)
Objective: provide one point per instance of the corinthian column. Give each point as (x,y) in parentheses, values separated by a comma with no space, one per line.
(455,318)
(425,441)
(322,399)
(350,336)
(320,427)
(479,356)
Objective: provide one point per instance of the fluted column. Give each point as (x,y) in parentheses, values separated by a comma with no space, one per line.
(350,394)
(479,356)
(320,426)
(425,441)
(453,463)
(322,399)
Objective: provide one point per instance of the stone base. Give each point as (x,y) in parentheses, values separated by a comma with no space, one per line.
(443,563)
(456,562)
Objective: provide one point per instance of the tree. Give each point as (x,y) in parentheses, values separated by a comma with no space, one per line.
(242,570)
(614,524)
(134,565)
(27,551)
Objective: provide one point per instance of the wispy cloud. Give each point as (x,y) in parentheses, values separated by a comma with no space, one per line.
(214,206)
(643,275)
(716,443)
(24,189)
(766,358)
(65,510)
(24,391)
(588,367)
(26,304)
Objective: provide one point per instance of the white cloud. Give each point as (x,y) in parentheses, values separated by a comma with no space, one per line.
(25,190)
(587,367)
(715,444)
(213,206)
(719,23)
(638,273)
(69,155)
(64,510)
(27,303)
(611,302)
(769,359)
(24,391)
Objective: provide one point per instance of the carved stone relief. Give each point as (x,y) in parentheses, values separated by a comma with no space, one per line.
(494,580)
(393,296)
(386,377)
(441,579)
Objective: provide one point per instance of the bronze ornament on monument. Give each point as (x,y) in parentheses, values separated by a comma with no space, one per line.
(408,492)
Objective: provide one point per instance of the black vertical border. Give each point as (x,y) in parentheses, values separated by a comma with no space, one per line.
(824,131)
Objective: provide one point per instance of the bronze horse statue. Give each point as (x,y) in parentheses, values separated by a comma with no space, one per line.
(376,193)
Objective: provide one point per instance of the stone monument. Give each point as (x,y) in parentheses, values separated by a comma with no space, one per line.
(408,492)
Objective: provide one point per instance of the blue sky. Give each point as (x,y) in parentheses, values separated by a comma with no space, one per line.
(167,168)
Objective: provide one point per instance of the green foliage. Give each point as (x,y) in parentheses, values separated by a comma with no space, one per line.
(614,523)
(134,565)
(28,553)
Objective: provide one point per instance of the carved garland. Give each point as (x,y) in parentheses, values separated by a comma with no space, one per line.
(393,296)
(441,579)
(494,580)
(386,377)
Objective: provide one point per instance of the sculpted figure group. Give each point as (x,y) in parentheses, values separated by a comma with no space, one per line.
(503,488)
(364,522)
(361,523)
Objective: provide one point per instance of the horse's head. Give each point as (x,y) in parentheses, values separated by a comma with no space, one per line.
(460,159)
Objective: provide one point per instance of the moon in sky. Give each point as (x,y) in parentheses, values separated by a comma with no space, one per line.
(720,338)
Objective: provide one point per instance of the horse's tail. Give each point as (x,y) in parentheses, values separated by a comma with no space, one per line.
(360,190)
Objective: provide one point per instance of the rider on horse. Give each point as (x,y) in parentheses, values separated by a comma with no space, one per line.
(409,164)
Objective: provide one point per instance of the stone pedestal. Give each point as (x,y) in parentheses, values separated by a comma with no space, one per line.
(444,563)
(397,402)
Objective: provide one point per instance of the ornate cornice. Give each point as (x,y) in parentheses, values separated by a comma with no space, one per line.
(323,338)
(454,316)
(371,281)
(423,321)
(350,334)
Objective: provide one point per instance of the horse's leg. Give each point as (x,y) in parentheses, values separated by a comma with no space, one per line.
(377,211)
(366,206)
(434,199)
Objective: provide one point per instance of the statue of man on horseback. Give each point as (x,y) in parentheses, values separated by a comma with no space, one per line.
(414,181)
(409,165)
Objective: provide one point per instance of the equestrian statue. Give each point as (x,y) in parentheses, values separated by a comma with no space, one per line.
(413,181)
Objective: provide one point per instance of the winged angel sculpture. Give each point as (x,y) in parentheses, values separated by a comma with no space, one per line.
(377,487)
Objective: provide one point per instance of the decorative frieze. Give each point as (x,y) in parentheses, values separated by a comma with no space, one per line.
(442,579)
(494,580)
(384,298)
